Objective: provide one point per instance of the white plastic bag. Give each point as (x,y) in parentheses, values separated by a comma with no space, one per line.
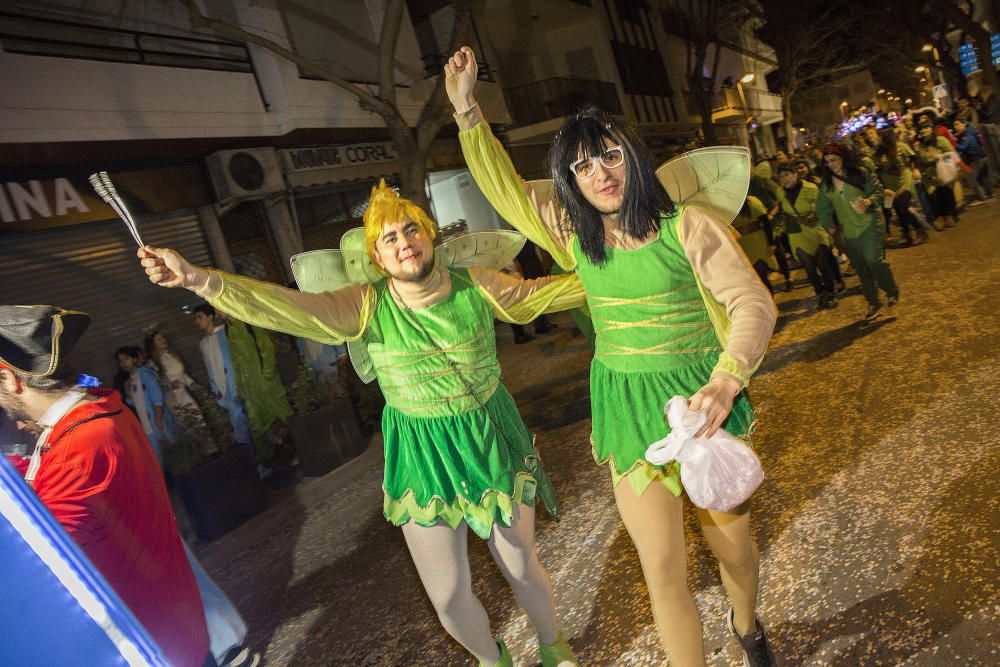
(947,168)
(718,473)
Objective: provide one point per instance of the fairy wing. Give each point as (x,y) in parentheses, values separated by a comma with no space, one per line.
(716,177)
(492,248)
(330,270)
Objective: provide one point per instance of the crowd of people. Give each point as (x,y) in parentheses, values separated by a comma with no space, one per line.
(891,184)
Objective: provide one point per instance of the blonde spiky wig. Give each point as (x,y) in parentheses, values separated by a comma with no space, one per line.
(385,206)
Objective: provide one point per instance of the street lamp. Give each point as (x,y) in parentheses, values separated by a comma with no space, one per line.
(843,108)
(746,78)
(919,68)
(927,48)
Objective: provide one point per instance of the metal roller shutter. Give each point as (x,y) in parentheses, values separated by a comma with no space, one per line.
(93,268)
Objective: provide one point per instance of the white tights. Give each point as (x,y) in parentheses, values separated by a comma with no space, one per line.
(442,559)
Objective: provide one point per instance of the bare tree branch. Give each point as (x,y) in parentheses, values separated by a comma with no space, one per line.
(391,21)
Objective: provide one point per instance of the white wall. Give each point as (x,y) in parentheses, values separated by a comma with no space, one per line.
(455,195)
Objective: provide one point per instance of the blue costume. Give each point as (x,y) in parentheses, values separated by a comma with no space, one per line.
(144,385)
(222,380)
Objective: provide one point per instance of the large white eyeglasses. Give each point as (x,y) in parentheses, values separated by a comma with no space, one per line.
(584,168)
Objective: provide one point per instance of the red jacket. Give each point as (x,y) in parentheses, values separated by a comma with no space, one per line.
(102,482)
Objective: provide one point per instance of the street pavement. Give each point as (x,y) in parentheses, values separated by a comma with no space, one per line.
(878,523)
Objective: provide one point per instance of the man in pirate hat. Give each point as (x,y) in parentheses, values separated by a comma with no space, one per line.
(94,469)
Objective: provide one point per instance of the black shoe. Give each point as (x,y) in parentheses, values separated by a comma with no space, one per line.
(893,300)
(840,288)
(873,313)
(756,650)
(831,301)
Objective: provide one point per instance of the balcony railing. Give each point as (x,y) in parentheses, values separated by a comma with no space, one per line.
(557,97)
(757,101)
(38,36)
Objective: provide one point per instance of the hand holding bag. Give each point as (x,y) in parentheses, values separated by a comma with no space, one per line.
(718,473)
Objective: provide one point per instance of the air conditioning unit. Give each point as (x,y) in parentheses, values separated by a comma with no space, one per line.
(245,174)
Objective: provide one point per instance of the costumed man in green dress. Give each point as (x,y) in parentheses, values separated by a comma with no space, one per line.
(258,383)
(811,244)
(677,309)
(457,454)
(755,238)
(851,198)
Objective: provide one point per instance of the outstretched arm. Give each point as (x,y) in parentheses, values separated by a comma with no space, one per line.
(520,301)
(537,215)
(327,317)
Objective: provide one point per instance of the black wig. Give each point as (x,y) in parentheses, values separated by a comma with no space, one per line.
(644,197)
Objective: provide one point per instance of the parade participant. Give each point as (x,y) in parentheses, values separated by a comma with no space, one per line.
(214,346)
(93,468)
(851,198)
(677,310)
(144,395)
(930,148)
(974,154)
(457,454)
(811,244)
(892,164)
(259,385)
(755,238)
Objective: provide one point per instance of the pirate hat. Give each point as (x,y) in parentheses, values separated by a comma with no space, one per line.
(33,339)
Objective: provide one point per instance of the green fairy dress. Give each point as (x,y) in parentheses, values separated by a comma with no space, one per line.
(455,445)
(655,339)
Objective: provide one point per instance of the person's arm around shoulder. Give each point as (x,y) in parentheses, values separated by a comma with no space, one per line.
(327,317)
(725,272)
(519,301)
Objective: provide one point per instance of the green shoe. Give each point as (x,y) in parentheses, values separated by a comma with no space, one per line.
(505,659)
(557,654)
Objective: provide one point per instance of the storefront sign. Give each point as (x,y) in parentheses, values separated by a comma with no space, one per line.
(327,157)
(29,204)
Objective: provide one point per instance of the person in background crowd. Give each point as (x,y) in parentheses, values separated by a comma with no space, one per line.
(765,189)
(974,154)
(989,106)
(892,164)
(214,346)
(929,149)
(257,380)
(851,198)
(806,174)
(966,112)
(810,243)
(752,225)
(144,395)
(94,469)
(172,372)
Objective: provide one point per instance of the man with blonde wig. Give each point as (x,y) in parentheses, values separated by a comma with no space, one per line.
(457,454)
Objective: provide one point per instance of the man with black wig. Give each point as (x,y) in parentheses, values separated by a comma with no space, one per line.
(677,309)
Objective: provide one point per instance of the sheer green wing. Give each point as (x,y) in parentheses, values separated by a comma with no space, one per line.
(716,177)
(331,270)
(320,271)
(492,248)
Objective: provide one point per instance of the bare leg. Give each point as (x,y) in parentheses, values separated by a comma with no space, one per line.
(514,551)
(655,521)
(728,534)
(442,559)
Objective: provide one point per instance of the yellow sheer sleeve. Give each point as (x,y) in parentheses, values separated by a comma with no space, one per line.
(327,317)
(537,215)
(520,301)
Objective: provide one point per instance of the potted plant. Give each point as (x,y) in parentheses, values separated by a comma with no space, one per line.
(215,478)
(324,426)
